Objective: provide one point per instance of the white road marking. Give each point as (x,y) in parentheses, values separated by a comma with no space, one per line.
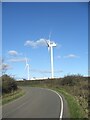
(61,114)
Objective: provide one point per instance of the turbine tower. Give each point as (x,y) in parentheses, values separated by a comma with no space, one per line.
(50,45)
(27,67)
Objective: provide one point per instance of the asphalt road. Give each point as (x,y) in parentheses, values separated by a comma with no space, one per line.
(36,103)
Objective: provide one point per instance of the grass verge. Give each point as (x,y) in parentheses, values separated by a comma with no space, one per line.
(74,108)
(12,96)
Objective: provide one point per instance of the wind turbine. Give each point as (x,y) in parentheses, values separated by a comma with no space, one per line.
(50,45)
(27,67)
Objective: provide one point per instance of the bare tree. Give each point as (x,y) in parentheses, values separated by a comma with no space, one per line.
(3,66)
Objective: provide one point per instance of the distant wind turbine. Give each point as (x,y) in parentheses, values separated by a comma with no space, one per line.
(50,45)
(28,69)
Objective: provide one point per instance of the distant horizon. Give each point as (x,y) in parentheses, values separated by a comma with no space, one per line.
(45,78)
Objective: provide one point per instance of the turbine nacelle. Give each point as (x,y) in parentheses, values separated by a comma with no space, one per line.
(53,44)
(50,43)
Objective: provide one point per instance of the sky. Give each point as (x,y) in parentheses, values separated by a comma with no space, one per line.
(26,26)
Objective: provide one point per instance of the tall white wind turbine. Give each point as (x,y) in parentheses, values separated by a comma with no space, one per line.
(50,45)
(28,69)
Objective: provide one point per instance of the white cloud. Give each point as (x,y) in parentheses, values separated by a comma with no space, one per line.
(38,43)
(12,52)
(45,71)
(71,56)
(34,44)
(17,60)
(48,71)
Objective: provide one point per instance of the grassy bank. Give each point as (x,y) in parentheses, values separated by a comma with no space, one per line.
(12,96)
(74,107)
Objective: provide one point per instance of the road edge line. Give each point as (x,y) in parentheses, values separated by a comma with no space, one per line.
(61,113)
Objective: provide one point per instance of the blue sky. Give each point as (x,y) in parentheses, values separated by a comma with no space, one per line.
(26,25)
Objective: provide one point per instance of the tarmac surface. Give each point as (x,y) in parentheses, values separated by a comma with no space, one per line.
(36,103)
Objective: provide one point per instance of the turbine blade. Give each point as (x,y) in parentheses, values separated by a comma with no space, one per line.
(49,35)
(48,49)
(46,42)
(25,67)
(49,42)
(26,60)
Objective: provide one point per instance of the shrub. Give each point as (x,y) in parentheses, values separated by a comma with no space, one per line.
(71,80)
(8,84)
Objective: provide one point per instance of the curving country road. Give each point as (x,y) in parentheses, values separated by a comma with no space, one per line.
(36,103)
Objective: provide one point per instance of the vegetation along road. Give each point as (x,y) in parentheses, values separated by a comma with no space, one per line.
(37,103)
